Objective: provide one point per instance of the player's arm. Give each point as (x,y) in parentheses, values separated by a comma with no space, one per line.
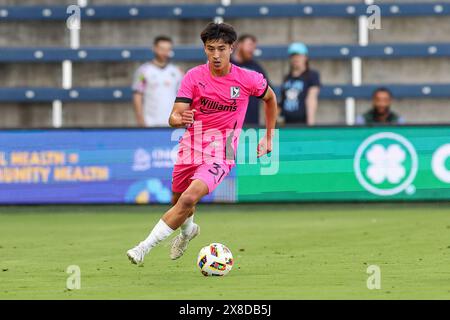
(138,109)
(181,115)
(282,99)
(312,102)
(271,112)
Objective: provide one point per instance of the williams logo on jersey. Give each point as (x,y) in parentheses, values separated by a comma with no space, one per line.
(209,106)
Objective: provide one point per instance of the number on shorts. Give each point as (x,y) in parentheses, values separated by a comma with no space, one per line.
(216,171)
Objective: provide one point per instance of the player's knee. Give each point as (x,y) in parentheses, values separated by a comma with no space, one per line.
(187,201)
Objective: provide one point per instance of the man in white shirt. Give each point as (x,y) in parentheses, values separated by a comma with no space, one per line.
(155,85)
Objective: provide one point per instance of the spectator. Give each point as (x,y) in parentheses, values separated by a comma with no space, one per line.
(381,112)
(244,57)
(155,86)
(300,88)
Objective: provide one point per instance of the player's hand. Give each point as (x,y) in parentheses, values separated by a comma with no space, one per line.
(187,117)
(141,123)
(264,146)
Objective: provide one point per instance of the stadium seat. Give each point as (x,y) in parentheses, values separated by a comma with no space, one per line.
(194,53)
(194,11)
(116,94)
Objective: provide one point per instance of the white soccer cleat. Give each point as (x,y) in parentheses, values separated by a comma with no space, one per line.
(136,255)
(180,243)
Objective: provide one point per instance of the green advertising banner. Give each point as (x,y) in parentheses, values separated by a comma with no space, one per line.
(348,164)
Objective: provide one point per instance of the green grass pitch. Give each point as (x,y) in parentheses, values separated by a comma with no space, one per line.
(282,251)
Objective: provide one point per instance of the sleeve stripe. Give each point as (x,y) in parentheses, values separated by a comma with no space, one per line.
(265,90)
(183,99)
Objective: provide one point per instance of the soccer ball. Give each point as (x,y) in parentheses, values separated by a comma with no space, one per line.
(215,260)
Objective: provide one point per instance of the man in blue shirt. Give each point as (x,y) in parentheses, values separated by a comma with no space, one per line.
(300,88)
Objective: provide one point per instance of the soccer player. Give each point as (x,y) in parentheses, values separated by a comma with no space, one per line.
(155,86)
(211,103)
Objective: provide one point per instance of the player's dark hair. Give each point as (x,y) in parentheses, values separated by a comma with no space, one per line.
(246,36)
(161,38)
(382,89)
(218,31)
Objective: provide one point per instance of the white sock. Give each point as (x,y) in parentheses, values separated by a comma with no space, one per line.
(160,232)
(187,226)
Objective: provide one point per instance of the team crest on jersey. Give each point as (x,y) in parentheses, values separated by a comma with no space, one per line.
(235,92)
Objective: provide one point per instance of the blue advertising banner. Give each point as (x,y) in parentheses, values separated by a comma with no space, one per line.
(92,166)
(407,163)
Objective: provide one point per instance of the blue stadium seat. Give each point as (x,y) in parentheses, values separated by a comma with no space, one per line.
(118,94)
(207,11)
(192,53)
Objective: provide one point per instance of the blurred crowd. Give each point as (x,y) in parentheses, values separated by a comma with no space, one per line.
(155,85)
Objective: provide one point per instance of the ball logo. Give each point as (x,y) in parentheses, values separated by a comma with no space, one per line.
(386,164)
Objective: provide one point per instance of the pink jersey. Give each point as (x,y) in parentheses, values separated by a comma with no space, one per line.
(220,104)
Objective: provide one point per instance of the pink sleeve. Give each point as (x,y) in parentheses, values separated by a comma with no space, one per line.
(185,92)
(258,84)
